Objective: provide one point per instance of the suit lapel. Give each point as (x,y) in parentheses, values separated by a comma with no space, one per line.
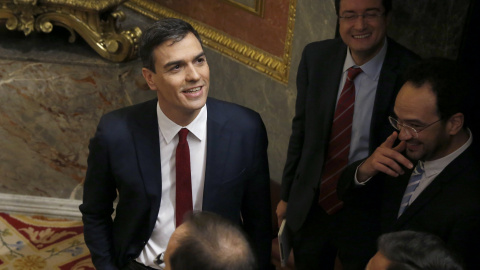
(450,172)
(146,139)
(323,99)
(385,93)
(218,144)
(423,199)
(395,188)
(327,88)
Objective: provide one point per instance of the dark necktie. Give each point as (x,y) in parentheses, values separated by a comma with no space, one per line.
(184,182)
(339,145)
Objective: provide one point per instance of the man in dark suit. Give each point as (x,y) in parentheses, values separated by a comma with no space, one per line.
(134,157)
(430,181)
(322,73)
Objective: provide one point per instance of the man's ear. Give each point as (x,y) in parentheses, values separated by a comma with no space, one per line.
(455,123)
(148,75)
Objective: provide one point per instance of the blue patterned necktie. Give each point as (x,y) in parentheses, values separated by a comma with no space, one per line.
(412,185)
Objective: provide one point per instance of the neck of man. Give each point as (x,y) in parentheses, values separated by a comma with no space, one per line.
(459,139)
(184,119)
(454,143)
(362,57)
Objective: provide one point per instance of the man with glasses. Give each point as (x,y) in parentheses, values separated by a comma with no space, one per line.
(430,180)
(345,91)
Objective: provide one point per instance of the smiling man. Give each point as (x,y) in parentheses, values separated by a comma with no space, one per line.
(177,153)
(430,181)
(346,88)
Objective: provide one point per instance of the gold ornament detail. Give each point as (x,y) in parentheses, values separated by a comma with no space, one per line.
(95,21)
(257,8)
(272,65)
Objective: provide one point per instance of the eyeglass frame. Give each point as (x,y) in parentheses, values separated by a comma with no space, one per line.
(393,120)
(366,16)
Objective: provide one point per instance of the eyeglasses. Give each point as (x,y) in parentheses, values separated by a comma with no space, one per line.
(160,260)
(408,129)
(368,16)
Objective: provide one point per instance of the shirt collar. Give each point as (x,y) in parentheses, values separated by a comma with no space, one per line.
(434,167)
(169,129)
(373,67)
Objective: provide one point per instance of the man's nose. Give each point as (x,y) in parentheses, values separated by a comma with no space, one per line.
(405,134)
(360,22)
(191,73)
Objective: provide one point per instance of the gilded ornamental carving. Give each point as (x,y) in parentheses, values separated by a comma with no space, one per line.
(95,21)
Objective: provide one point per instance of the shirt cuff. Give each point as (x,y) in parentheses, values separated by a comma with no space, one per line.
(358,184)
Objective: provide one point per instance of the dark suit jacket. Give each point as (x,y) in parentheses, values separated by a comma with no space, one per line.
(318,78)
(125,157)
(449,207)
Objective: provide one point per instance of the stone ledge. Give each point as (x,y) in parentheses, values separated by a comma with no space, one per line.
(34,205)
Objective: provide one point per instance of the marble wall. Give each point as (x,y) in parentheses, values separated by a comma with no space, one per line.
(53,93)
(429,27)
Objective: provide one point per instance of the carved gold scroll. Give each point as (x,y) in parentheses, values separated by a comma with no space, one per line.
(94,20)
(272,65)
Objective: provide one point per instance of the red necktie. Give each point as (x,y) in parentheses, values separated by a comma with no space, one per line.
(339,145)
(184,182)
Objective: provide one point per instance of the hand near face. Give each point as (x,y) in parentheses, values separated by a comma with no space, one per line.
(386,159)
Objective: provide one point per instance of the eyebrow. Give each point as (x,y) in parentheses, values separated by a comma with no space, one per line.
(177,62)
(413,121)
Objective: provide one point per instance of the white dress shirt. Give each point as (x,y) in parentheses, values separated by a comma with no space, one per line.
(197,141)
(365,91)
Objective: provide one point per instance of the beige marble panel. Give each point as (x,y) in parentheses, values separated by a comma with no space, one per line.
(48,112)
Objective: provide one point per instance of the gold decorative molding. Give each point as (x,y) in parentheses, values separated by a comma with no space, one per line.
(274,66)
(256,9)
(97,5)
(95,21)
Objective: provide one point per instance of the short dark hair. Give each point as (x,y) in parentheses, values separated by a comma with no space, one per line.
(160,32)
(446,80)
(214,243)
(387,5)
(410,250)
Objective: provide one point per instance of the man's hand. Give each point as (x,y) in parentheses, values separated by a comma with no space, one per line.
(281,211)
(386,159)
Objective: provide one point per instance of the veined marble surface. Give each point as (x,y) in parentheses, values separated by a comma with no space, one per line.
(51,99)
